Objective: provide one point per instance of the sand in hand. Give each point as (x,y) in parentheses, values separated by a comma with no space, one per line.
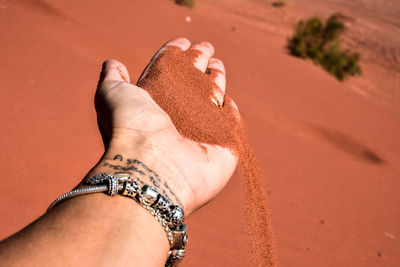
(186,94)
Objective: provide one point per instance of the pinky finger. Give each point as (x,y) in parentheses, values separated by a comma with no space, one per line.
(235,108)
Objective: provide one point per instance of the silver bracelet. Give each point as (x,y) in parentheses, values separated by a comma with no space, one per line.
(169,216)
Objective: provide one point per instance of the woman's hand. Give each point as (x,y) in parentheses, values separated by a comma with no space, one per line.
(141,139)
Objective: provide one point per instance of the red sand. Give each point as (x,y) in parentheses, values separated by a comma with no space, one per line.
(331,205)
(185,93)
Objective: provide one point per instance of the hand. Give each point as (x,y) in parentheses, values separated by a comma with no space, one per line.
(140,136)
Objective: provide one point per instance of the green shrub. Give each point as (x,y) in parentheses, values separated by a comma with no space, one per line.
(312,39)
(186,3)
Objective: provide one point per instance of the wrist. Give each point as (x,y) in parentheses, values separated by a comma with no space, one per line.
(168,215)
(149,164)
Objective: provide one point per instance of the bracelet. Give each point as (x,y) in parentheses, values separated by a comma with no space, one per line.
(169,216)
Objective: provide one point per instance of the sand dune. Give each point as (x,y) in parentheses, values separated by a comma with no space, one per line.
(329,151)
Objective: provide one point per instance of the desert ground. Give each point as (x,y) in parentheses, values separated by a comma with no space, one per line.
(329,151)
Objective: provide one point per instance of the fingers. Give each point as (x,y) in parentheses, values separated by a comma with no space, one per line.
(202,55)
(181,42)
(217,73)
(113,70)
(205,51)
(202,52)
(235,108)
(216,70)
(216,64)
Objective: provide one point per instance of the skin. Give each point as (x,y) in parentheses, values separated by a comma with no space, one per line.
(98,230)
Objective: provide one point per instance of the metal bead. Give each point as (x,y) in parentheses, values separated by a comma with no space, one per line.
(179,237)
(135,184)
(150,194)
(175,256)
(129,190)
(112,186)
(185,239)
(178,254)
(162,204)
(175,216)
(122,177)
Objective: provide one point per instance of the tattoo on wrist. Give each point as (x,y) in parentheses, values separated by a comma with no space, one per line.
(142,172)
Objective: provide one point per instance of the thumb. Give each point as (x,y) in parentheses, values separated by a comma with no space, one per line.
(113,70)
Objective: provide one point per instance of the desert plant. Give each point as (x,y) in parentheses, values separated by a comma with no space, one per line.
(320,42)
(186,3)
(278,3)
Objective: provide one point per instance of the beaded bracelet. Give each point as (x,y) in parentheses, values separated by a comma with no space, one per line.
(170,216)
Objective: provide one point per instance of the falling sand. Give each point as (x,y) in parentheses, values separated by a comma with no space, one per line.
(186,97)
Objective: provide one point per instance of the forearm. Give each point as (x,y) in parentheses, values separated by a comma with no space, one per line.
(90,230)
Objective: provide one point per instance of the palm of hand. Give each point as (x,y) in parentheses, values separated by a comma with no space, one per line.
(127,112)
